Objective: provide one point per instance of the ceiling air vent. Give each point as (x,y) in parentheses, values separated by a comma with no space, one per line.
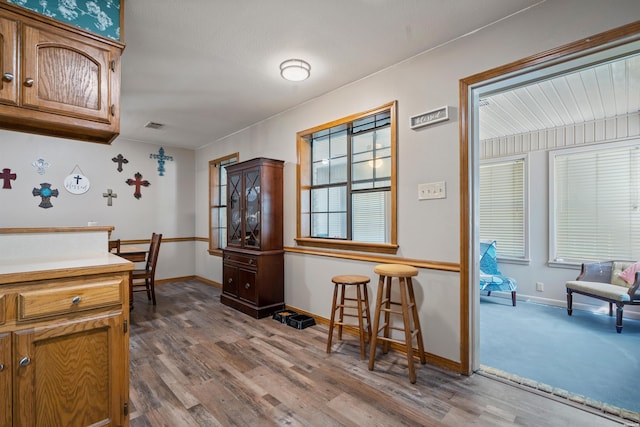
(154,125)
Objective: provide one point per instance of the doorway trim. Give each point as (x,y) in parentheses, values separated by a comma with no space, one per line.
(469,292)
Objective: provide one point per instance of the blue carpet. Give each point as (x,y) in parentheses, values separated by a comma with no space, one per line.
(581,354)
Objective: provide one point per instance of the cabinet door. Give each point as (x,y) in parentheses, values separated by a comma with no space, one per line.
(8,61)
(235,206)
(5,379)
(252,208)
(247,285)
(63,75)
(230,280)
(71,374)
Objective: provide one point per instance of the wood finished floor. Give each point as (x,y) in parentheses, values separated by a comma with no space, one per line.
(195,362)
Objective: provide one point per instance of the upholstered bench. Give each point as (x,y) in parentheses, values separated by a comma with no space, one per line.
(616,282)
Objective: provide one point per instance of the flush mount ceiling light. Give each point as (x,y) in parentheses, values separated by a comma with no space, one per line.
(295,70)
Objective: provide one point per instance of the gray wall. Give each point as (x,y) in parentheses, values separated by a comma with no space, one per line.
(427,230)
(166,206)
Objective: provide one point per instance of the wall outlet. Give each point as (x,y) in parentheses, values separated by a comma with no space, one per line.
(432,190)
(539,286)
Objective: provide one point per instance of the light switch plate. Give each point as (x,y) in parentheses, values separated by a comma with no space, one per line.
(432,190)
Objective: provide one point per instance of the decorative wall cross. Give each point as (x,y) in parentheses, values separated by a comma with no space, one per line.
(7,176)
(161,159)
(138,182)
(40,164)
(46,193)
(119,159)
(111,195)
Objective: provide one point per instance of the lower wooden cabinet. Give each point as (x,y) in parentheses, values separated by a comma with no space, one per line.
(64,349)
(253,282)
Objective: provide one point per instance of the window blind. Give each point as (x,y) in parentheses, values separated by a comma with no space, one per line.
(596,215)
(502,206)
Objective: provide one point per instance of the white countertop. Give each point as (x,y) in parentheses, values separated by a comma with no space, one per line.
(15,270)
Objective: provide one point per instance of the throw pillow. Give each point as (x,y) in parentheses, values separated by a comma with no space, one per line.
(629,274)
(488,262)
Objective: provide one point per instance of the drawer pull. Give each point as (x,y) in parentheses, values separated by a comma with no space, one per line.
(1,367)
(76,300)
(247,285)
(25,361)
(28,82)
(7,77)
(251,261)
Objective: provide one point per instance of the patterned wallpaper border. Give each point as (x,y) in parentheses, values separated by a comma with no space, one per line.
(101,17)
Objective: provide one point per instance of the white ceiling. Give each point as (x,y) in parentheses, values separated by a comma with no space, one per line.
(209,68)
(595,93)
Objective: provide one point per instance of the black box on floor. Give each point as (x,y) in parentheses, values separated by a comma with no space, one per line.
(282,315)
(300,321)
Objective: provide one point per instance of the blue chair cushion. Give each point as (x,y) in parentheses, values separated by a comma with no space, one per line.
(488,261)
(491,279)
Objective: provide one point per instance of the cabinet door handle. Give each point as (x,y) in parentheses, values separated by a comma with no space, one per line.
(113,109)
(247,285)
(230,280)
(7,77)
(1,367)
(25,361)
(76,300)
(28,82)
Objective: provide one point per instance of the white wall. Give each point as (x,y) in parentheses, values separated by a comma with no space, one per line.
(166,206)
(427,230)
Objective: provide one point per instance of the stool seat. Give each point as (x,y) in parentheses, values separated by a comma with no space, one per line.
(408,312)
(358,309)
(350,279)
(396,270)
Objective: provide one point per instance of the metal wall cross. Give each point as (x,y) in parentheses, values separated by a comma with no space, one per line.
(119,159)
(111,195)
(161,159)
(7,176)
(138,182)
(46,193)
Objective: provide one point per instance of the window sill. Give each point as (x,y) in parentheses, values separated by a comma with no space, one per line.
(384,248)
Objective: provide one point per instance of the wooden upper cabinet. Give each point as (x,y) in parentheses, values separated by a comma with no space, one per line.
(57,80)
(64,76)
(8,60)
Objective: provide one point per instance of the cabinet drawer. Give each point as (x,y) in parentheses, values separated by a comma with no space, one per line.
(69,298)
(245,260)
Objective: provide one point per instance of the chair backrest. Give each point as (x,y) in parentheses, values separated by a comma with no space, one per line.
(114,244)
(154,249)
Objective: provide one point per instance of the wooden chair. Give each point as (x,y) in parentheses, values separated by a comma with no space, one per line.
(148,274)
(114,246)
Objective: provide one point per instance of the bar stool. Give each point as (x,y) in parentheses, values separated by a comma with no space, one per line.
(361,305)
(409,310)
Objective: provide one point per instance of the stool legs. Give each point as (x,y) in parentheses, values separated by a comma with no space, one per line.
(362,306)
(409,312)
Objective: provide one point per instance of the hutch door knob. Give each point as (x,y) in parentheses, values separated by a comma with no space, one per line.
(247,286)
(1,367)
(28,82)
(25,361)
(7,77)
(230,280)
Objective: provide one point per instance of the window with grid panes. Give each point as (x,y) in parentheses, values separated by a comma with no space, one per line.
(218,202)
(349,168)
